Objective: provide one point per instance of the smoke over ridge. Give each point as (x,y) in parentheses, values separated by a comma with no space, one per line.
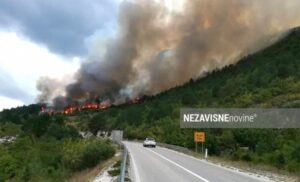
(157,49)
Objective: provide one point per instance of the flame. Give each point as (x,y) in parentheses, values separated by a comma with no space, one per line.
(96,106)
(87,106)
(69,110)
(90,106)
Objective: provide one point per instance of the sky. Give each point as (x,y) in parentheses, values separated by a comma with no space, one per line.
(47,38)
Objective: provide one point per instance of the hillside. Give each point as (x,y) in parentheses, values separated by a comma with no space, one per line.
(269,78)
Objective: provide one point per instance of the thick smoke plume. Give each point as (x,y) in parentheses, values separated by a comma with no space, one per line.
(157,49)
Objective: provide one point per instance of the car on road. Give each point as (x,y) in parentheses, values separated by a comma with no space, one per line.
(149,142)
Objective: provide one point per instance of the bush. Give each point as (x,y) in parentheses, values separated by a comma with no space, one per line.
(79,155)
(50,159)
(293,166)
(279,160)
(61,131)
(243,155)
(9,129)
(8,165)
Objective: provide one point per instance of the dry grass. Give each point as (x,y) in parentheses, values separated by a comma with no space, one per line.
(89,174)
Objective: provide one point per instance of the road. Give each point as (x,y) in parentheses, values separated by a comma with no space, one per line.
(164,165)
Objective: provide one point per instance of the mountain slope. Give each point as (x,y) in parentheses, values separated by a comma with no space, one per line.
(269,78)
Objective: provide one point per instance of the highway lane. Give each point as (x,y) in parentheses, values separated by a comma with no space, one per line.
(164,165)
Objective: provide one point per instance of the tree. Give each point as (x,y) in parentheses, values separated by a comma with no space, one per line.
(37,125)
(189,98)
(97,123)
(8,165)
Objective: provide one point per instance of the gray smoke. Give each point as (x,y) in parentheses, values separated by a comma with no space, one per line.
(49,88)
(157,49)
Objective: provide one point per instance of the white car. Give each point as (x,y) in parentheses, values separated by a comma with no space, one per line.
(149,142)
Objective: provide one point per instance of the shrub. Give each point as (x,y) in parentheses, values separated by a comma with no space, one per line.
(243,155)
(8,165)
(293,166)
(78,155)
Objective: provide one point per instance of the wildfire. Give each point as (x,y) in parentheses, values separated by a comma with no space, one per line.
(90,106)
(70,110)
(87,106)
(96,106)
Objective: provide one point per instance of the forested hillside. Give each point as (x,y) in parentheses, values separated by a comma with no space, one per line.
(267,79)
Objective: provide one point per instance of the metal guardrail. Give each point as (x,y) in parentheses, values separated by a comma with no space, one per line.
(121,177)
(175,147)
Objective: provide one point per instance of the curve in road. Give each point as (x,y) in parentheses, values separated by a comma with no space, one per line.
(164,165)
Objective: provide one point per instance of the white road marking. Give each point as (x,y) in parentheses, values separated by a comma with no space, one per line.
(135,169)
(237,171)
(174,163)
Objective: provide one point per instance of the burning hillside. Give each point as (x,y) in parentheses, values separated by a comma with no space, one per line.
(81,107)
(72,109)
(157,48)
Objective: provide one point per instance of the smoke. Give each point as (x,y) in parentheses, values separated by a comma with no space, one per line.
(157,48)
(49,88)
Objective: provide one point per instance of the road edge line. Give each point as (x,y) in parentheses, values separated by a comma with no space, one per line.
(134,166)
(235,170)
(178,165)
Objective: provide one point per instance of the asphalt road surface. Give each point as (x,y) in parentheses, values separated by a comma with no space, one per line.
(164,165)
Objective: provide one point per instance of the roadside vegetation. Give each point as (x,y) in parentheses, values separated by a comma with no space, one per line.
(46,149)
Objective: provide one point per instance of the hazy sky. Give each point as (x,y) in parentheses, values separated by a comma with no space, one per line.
(47,38)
